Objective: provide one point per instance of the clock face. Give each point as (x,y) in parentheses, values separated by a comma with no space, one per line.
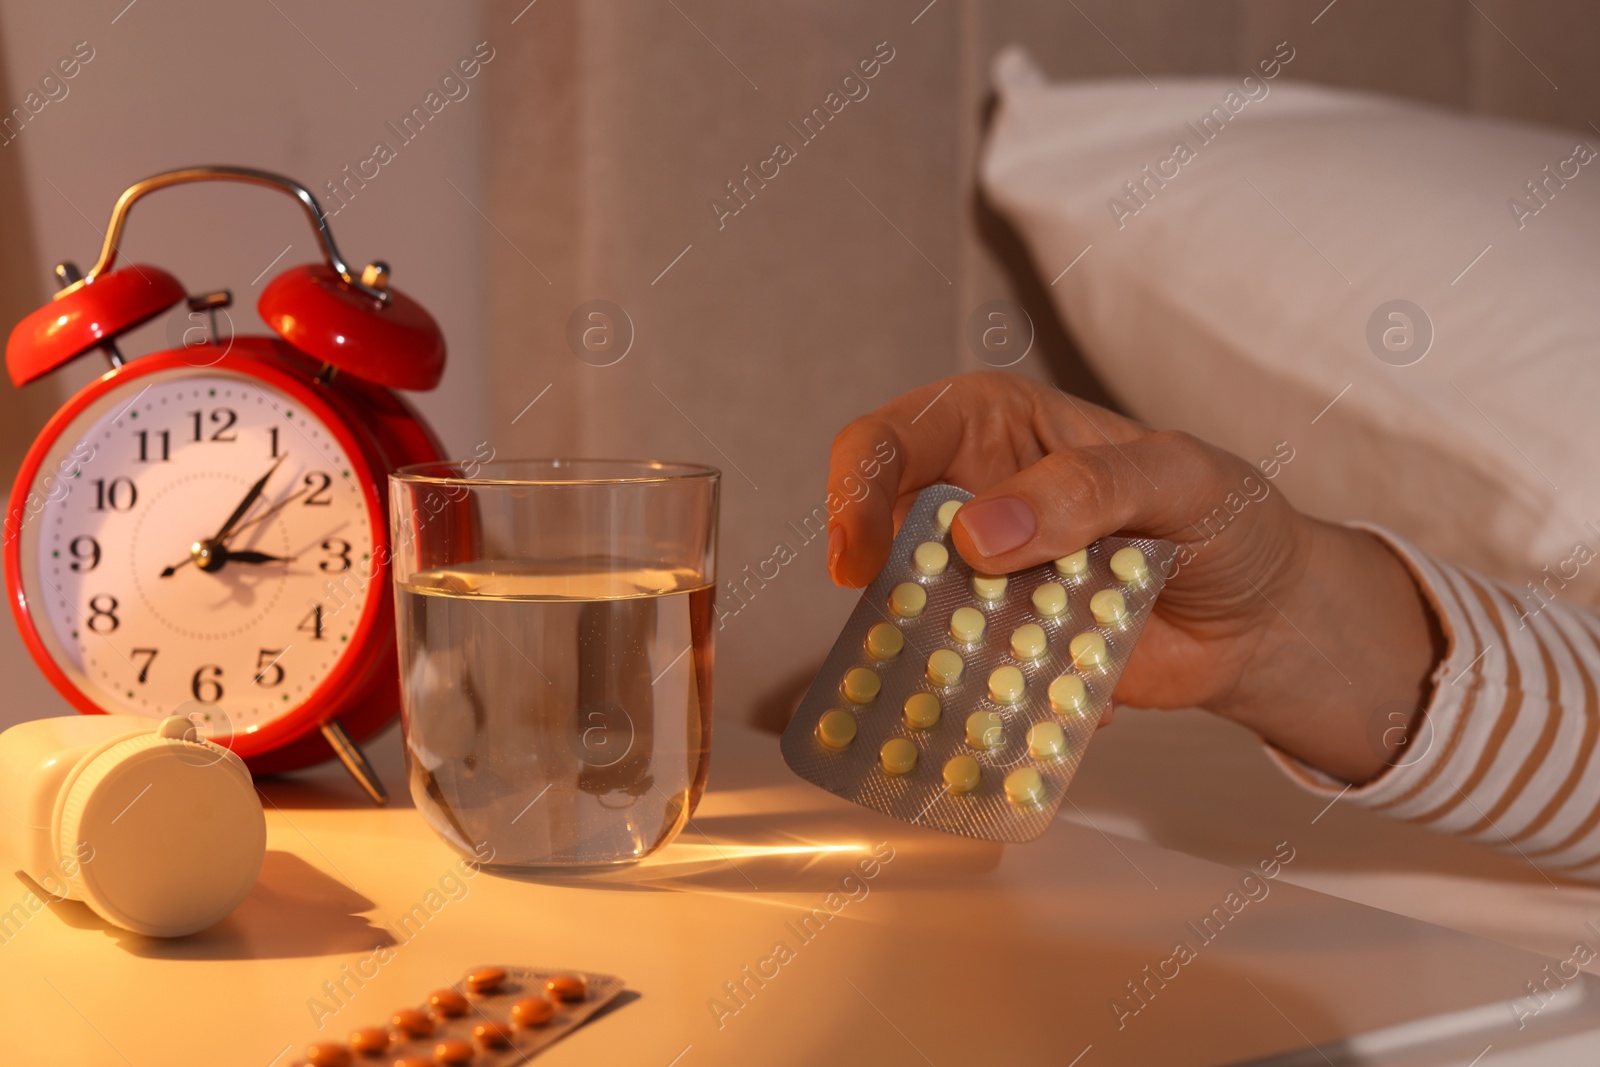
(199,536)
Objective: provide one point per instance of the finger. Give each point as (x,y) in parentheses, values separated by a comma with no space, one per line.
(1152,487)
(863,471)
(871,468)
(971,430)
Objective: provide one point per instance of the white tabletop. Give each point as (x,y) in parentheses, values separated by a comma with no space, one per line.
(952,952)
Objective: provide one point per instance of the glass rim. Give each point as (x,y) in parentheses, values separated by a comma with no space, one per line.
(626,472)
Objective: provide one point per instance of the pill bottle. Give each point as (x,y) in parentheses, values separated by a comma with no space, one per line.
(155,828)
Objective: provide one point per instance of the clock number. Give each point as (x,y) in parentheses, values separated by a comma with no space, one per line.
(103,606)
(205,686)
(341,556)
(312,623)
(274,432)
(144,672)
(80,554)
(113,494)
(267,660)
(144,445)
(226,416)
(318,497)
(224,433)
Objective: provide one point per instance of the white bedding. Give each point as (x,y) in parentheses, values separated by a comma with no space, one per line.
(1232,297)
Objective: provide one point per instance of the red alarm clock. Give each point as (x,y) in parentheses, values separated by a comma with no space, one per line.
(208,525)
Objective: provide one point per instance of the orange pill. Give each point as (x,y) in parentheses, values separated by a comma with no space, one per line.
(369,1040)
(413,1061)
(492,1034)
(532,1011)
(452,1051)
(486,979)
(447,1002)
(567,987)
(328,1054)
(412,1022)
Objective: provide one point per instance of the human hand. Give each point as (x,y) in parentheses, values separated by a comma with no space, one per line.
(1270,617)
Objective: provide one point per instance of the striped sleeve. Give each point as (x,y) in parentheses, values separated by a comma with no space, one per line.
(1505,754)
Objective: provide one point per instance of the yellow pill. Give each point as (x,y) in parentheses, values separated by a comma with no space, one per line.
(836,729)
(1088,651)
(898,756)
(1075,565)
(1108,607)
(1050,599)
(908,599)
(1129,565)
(1006,685)
(989,586)
(1024,787)
(1046,740)
(861,685)
(985,729)
(930,559)
(1067,694)
(961,774)
(944,667)
(922,711)
(946,515)
(966,625)
(884,641)
(1028,641)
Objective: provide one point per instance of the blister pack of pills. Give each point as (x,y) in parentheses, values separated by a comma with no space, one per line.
(964,701)
(493,1017)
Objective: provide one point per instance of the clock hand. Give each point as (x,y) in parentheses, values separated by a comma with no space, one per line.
(211,556)
(249,501)
(243,526)
(251,556)
(265,515)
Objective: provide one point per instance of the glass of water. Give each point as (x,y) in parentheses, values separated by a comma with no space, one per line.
(554,623)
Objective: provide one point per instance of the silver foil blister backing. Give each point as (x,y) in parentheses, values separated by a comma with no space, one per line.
(921,796)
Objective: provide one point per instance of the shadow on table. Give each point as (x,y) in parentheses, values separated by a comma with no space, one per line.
(294,910)
(328,786)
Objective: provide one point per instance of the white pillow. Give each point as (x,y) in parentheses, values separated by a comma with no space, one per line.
(1235,301)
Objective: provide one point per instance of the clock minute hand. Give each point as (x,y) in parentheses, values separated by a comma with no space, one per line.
(249,501)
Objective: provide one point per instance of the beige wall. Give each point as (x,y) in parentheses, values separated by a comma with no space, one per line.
(612,125)
(172,84)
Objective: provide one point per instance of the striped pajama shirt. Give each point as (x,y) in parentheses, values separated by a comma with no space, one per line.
(1507,755)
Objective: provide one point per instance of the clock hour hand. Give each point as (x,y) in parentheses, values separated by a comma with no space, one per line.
(210,556)
(246,555)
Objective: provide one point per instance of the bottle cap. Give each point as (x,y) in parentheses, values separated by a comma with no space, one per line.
(162,833)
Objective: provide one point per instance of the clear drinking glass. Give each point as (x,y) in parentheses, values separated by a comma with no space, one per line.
(554,622)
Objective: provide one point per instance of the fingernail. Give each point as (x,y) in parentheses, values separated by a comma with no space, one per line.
(999,525)
(835,546)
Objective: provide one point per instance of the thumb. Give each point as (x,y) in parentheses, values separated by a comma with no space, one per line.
(1152,487)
